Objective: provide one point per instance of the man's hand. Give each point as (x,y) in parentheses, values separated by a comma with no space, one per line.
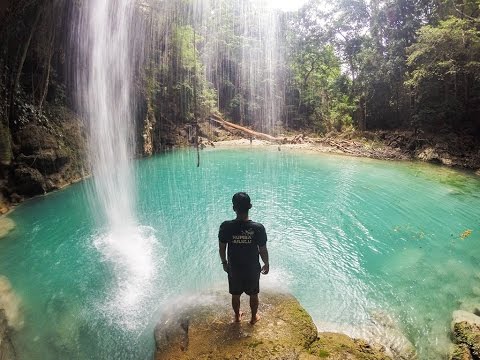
(226,267)
(265,269)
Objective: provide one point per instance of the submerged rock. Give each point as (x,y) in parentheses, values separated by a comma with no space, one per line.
(286,331)
(10,303)
(6,225)
(385,331)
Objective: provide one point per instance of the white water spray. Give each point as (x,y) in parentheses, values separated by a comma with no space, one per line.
(106,95)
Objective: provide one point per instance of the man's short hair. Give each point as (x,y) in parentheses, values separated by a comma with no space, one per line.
(241,202)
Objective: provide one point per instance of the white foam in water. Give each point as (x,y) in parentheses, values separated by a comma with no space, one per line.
(108,47)
(132,253)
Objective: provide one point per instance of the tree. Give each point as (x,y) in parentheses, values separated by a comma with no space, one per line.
(444,74)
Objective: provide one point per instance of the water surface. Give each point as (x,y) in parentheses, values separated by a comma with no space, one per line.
(350,238)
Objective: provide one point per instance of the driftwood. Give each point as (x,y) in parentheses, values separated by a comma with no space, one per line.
(226,125)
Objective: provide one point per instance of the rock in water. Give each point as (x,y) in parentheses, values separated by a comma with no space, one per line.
(10,303)
(465,316)
(205,330)
(466,335)
(7,351)
(6,225)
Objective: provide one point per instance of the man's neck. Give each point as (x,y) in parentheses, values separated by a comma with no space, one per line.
(242,217)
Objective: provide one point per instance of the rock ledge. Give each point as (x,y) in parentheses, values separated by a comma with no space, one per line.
(285,331)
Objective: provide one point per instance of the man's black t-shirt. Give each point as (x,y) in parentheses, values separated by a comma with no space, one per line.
(243,239)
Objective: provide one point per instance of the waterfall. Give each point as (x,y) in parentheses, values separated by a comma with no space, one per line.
(109,38)
(104,87)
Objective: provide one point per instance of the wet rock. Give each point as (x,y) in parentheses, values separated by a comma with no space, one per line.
(6,225)
(11,304)
(465,316)
(205,331)
(429,154)
(7,351)
(340,346)
(29,181)
(468,334)
(461,352)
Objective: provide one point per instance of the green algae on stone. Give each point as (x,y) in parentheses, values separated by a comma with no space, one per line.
(339,346)
(468,334)
(461,352)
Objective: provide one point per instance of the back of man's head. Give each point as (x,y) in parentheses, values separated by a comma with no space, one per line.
(241,202)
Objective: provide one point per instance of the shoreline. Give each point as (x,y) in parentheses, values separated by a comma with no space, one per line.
(350,148)
(358,148)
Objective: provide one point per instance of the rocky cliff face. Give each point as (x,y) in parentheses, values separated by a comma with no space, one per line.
(47,154)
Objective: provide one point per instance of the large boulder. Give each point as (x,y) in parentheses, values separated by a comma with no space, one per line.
(285,331)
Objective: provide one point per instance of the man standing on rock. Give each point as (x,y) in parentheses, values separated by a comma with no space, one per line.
(245,240)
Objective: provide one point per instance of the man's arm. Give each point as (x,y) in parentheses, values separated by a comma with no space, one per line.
(222,250)
(264,255)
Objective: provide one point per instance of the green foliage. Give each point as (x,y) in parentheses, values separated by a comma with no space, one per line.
(444,72)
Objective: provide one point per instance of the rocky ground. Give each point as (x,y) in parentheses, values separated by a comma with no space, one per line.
(285,331)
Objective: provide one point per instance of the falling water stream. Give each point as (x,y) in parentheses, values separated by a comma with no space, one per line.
(106,35)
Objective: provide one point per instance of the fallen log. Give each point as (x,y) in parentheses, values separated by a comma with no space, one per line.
(251,133)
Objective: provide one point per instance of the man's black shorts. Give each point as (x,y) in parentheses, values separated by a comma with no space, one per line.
(241,281)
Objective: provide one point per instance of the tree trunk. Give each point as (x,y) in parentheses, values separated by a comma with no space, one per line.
(22,60)
(48,66)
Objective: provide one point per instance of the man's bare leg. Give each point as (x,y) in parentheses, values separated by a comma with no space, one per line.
(236,307)
(254,308)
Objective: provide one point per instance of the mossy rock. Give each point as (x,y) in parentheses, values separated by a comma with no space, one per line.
(468,334)
(335,346)
(461,352)
(285,331)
